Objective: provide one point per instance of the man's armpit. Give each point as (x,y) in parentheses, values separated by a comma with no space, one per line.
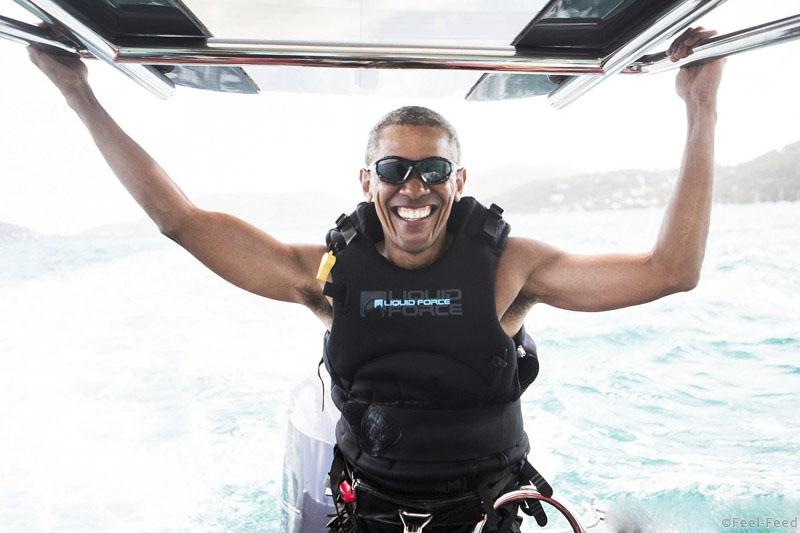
(519,307)
(312,297)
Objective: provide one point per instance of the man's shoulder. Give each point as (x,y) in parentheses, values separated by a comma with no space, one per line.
(516,246)
(515,257)
(526,246)
(522,255)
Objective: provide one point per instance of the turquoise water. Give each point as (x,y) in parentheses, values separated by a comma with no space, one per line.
(140,392)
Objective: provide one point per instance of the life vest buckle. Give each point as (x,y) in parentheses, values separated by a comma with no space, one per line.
(414,522)
(495,228)
(339,237)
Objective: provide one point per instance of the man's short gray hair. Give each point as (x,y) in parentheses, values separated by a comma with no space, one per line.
(412,116)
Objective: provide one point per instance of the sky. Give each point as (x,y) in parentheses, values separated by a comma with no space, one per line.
(53,180)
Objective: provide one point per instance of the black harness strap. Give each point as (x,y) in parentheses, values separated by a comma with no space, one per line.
(345,519)
(500,522)
(529,474)
(379,505)
(488,506)
(533,475)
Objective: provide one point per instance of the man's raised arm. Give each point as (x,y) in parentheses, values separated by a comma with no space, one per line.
(237,251)
(596,283)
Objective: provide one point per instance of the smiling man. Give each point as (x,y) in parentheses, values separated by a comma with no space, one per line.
(413,212)
(424,295)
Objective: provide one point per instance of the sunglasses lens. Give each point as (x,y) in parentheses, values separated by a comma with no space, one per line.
(396,170)
(434,170)
(392,170)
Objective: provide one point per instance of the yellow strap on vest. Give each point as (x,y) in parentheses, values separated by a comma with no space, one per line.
(325,266)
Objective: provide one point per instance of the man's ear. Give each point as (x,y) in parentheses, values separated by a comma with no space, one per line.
(364,176)
(461,179)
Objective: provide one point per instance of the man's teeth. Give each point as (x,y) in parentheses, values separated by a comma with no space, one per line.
(408,213)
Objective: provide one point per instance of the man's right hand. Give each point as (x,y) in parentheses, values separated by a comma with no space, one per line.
(67,72)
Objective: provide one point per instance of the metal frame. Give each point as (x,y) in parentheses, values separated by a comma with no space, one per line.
(767,34)
(669,24)
(357,55)
(146,76)
(27,34)
(136,62)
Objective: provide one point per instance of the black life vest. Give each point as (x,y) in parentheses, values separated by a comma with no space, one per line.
(427,381)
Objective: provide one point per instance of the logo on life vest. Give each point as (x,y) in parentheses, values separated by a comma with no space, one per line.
(411,303)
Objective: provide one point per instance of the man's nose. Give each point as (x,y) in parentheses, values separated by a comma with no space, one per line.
(414,187)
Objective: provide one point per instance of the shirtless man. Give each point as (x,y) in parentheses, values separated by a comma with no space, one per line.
(414,182)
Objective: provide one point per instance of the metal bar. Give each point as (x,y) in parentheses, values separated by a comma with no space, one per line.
(29,34)
(146,76)
(244,53)
(760,36)
(669,24)
(35,11)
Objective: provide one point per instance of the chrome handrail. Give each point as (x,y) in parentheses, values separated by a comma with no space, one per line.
(767,34)
(668,24)
(29,34)
(357,55)
(146,76)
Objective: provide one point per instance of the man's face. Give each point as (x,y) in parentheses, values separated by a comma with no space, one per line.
(413,215)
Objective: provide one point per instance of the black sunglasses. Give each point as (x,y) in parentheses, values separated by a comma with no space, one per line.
(431,170)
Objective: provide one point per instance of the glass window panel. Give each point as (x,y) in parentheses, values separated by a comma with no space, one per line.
(444,22)
(372,82)
(583,9)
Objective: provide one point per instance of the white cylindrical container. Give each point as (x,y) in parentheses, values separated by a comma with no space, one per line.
(310,436)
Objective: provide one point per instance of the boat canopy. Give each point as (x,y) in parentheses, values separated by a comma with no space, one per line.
(480,50)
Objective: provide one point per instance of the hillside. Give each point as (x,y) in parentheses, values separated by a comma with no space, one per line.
(11,232)
(774,176)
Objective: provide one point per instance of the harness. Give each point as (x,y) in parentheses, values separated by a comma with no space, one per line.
(427,382)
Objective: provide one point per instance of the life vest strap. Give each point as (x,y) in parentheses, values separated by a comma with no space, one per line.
(338,238)
(337,291)
(527,360)
(495,228)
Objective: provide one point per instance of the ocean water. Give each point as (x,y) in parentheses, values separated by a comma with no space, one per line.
(139,392)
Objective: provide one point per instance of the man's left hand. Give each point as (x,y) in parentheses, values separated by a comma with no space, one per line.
(696,84)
